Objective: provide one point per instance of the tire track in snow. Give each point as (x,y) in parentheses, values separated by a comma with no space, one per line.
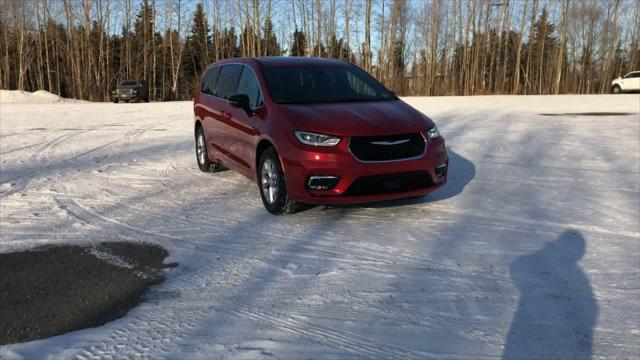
(355,344)
(131,136)
(363,252)
(35,159)
(144,337)
(47,153)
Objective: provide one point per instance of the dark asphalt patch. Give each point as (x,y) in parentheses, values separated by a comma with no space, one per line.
(590,114)
(52,290)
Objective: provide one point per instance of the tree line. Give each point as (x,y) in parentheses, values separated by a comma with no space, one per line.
(82,48)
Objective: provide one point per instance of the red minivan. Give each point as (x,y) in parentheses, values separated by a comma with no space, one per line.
(314,131)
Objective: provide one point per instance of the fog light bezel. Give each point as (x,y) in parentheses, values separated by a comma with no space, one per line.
(440,173)
(327,182)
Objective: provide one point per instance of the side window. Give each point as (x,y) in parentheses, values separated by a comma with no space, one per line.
(228,81)
(260,100)
(359,86)
(636,75)
(248,85)
(629,76)
(208,84)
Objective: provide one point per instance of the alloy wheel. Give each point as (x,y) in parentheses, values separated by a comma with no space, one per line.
(269,180)
(200,148)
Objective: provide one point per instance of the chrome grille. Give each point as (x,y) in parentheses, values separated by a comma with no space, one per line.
(387,148)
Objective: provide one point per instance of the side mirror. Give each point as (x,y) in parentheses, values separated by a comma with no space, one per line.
(241,101)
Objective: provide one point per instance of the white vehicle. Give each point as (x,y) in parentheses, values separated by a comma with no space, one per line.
(630,82)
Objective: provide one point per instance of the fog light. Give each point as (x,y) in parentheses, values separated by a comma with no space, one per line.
(322,182)
(441,170)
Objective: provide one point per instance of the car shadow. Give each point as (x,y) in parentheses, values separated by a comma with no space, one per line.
(556,311)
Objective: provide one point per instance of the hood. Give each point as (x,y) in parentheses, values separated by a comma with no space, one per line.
(375,118)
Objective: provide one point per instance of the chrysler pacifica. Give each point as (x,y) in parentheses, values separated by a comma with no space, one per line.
(314,131)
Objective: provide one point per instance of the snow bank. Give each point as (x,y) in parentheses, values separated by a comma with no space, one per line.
(26,97)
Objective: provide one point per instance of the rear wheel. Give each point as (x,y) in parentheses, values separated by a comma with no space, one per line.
(616,89)
(273,188)
(115,100)
(202,156)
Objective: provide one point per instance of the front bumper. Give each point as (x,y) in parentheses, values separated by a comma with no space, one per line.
(125,96)
(307,161)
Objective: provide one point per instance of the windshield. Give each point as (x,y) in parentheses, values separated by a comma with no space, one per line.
(129,83)
(323,84)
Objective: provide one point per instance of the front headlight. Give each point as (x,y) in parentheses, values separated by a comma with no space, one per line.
(433,132)
(314,139)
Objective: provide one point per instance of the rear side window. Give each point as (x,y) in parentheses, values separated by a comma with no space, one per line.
(359,86)
(228,81)
(248,85)
(208,84)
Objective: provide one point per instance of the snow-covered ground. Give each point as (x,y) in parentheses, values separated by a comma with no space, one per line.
(25,97)
(532,249)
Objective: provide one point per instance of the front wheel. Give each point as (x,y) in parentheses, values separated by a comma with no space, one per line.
(202,156)
(616,89)
(273,189)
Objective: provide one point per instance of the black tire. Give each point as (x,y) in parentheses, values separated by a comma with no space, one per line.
(146,99)
(616,89)
(202,155)
(115,101)
(277,202)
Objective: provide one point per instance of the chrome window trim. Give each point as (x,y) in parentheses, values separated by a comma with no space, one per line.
(227,101)
(424,152)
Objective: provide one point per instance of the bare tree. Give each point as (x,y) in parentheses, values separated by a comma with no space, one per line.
(563,45)
(80,48)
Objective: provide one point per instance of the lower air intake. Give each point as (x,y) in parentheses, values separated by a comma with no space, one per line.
(388,183)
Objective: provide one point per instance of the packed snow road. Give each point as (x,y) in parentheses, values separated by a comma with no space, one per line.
(532,249)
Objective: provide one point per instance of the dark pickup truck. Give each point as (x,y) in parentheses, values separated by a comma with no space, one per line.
(128,90)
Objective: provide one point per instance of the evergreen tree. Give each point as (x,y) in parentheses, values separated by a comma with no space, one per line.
(398,66)
(339,49)
(299,46)
(319,49)
(142,40)
(198,44)
(249,40)
(544,44)
(229,44)
(271,46)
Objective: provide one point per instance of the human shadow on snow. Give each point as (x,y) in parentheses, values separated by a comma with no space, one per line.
(556,311)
